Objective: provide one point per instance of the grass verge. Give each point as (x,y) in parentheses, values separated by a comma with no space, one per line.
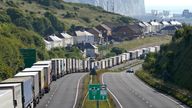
(144,42)
(92,104)
(85,103)
(166,87)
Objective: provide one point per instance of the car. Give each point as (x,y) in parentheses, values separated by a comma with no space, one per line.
(130,70)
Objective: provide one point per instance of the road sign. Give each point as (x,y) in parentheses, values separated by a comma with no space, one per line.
(29,56)
(97,92)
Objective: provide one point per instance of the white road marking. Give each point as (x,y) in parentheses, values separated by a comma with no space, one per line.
(77,92)
(160,93)
(112,93)
(172,100)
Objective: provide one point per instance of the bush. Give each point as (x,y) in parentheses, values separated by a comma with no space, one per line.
(86,19)
(117,50)
(56,24)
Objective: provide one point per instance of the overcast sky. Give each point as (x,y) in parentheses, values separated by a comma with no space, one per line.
(175,6)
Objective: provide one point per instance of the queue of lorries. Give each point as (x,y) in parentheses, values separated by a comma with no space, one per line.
(27,87)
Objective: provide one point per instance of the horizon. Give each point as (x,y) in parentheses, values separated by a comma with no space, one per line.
(171,5)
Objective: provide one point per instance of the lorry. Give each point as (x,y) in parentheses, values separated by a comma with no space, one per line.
(6,98)
(47,76)
(26,88)
(35,77)
(11,99)
(40,71)
(56,68)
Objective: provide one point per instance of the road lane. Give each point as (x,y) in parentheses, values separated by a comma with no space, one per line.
(133,93)
(63,92)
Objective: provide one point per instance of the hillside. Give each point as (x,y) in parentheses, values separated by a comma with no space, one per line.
(23,23)
(174,63)
(124,7)
(70,14)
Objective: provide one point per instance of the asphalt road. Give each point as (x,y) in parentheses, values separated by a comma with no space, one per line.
(63,92)
(130,92)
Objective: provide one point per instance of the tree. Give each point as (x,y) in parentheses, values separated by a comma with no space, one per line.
(57,25)
(117,50)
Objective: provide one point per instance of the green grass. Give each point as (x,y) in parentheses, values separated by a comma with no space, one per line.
(96,80)
(148,41)
(183,95)
(137,43)
(96,15)
(92,104)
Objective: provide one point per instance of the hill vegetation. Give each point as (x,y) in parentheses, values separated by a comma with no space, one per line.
(23,24)
(174,62)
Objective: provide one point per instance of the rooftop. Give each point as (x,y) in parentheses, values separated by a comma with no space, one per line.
(53,38)
(65,35)
(83,33)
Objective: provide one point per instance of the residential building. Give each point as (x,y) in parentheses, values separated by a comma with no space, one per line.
(99,39)
(127,32)
(148,28)
(67,39)
(155,26)
(174,22)
(83,36)
(55,41)
(144,27)
(47,44)
(169,30)
(164,23)
(105,30)
(90,49)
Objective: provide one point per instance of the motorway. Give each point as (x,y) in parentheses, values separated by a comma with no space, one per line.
(130,92)
(63,93)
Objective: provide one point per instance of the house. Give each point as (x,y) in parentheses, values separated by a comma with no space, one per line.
(90,49)
(164,24)
(155,26)
(105,30)
(67,39)
(170,30)
(127,32)
(144,27)
(99,39)
(174,22)
(47,44)
(83,36)
(55,41)
(148,28)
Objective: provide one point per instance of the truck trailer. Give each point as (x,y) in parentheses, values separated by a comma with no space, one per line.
(13,99)
(35,77)
(26,88)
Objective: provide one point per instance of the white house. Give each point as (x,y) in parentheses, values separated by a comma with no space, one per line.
(47,44)
(55,41)
(66,38)
(148,27)
(83,36)
(156,26)
(164,23)
(174,22)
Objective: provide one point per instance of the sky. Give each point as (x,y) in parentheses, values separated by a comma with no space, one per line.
(175,6)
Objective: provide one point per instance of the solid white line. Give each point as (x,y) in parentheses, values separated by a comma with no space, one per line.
(77,92)
(172,100)
(112,93)
(161,93)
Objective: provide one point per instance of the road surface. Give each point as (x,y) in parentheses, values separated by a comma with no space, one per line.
(63,92)
(130,92)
